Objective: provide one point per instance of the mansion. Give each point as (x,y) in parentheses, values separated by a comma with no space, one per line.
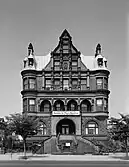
(69,93)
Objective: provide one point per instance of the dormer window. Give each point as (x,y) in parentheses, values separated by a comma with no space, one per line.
(100,61)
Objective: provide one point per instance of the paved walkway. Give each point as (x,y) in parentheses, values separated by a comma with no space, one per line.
(49,157)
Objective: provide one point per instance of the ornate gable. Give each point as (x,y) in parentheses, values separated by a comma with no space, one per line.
(65,45)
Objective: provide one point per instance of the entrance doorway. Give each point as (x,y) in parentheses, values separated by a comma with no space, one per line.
(65,127)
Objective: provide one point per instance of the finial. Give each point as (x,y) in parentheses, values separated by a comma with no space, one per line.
(98,50)
(30,49)
(65,34)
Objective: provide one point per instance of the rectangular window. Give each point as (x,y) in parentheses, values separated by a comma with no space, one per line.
(74,84)
(48,83)
(99,82)
(105,83)
(65,47)
(83,84)
(25,83)
(74,65)
(57,84)
(32,83)
(105,104)
(99,104)
(25,105)
(57,65)
(32,105)
(65,84)
(65,51)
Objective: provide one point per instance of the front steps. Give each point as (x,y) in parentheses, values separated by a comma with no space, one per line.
(75,145)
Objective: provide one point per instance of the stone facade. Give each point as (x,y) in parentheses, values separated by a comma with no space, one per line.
(69,94)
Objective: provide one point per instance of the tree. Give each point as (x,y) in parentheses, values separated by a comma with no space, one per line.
(119,130)
(22,124)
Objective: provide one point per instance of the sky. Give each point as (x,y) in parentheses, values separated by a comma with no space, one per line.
(41,22)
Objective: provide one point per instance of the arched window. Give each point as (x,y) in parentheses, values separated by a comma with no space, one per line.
(45,106)
(85,106)
(59,105)
(92,128)
(42,129)
(72,105)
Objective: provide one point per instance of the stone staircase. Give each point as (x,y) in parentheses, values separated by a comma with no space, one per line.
(63,140)
(86,146)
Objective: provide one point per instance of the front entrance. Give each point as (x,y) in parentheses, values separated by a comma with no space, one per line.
(65,127)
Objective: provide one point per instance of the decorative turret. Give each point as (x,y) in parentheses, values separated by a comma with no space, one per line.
(30,49)
(98,50)
(29,61)
(100,61)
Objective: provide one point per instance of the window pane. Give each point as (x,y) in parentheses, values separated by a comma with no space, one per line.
(91,131)
(97,131)
(57,82)
(91,128)
(42,129)
(57,63)
(99,81)
(105,104)
(91,125)
(31,101)
(99,102)
(105,83)
(25,83)
(74,82)
(74,63)
(65,47)
(83,84)
(65,81)
(24,105)
(48,83)
(32,108)
(83,81)
(66,51)
(31,83)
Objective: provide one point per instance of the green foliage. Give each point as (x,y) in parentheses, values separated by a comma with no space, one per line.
(119,130)
(22,124)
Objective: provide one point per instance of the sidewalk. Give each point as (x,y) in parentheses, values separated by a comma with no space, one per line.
(49,157)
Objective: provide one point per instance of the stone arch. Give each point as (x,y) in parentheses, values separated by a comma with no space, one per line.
(58,105)
(92,128)
(85,106)
(76,120)
(45,106)
(65,126)
(72,105)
